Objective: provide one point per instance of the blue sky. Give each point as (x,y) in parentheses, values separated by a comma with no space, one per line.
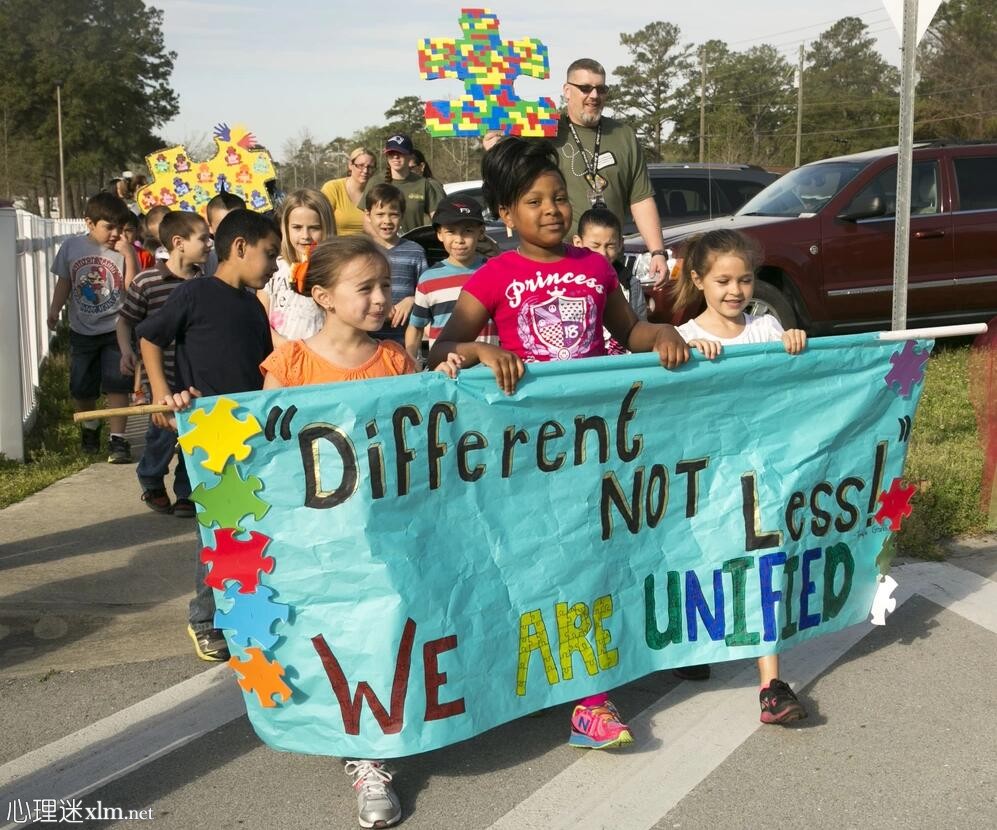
(332,67)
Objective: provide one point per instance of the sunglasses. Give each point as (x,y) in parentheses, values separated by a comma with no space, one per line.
(363,166)
(585,89)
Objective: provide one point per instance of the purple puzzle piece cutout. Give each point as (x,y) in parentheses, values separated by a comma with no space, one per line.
(908,369)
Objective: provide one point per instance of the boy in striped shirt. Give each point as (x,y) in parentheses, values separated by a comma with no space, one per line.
(459,227)
(187,242)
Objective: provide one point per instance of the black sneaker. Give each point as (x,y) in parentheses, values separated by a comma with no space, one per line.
(209,644)
(779,704)
(90,440)
(184,509)
(697,672)
(156,498)
(119,450)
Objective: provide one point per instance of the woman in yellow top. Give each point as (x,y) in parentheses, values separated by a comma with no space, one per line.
(346,194)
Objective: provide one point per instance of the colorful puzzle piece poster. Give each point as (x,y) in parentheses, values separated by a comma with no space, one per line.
(238,166)
(407,562)
(488,66)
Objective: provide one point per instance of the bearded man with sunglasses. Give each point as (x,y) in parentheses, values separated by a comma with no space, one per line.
(602,162)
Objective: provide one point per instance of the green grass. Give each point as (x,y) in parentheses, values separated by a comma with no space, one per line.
(52,448)
(945,459)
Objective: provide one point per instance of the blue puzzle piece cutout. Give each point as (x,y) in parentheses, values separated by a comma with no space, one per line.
(252,616)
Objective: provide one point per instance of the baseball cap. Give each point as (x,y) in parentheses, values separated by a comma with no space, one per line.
(398,143)
(455,209)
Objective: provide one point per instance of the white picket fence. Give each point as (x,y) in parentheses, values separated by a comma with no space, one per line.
(28,245)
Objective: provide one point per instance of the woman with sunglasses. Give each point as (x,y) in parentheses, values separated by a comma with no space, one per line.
(346,194)
(602,162)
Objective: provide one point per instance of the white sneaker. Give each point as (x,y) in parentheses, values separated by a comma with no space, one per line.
(377,804)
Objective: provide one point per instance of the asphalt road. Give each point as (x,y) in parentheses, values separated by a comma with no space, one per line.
(106,707)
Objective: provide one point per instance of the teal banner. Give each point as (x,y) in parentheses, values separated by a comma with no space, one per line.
(404,563)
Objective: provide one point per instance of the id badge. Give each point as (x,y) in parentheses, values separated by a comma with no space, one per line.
(597,184)
(596,199)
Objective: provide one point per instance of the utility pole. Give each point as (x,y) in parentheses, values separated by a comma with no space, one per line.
(702,105)
(799,109)
(62,168)
(905,149)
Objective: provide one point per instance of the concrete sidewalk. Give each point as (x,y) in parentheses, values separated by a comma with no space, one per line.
(94,587)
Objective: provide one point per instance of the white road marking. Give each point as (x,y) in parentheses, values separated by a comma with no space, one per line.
(123,742)
(685,735)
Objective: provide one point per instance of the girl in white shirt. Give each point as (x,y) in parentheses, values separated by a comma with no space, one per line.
(719,267)
(305,220)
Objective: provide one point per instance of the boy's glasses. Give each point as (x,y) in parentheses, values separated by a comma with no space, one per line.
(585,89)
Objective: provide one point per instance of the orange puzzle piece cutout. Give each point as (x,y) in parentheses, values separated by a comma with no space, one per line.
(259,675)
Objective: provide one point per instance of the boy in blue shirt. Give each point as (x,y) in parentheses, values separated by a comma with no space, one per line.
(385,207)
(459,226)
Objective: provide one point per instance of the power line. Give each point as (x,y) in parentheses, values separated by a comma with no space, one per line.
(891,126)
(802,28)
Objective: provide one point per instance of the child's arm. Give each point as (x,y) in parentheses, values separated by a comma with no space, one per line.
(124,247)
(641,336)
(152,357)
(59,297)
(795,340)
(469,317)
(413,340)
(264,297)
(123,329)
(400,311)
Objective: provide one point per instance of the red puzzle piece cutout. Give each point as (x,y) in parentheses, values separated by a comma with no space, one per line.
(257,674)
(896,504)
(237,559)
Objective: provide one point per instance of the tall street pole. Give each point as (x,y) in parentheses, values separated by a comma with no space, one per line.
(799,109)
(901,238)
(702,105)
(62,166)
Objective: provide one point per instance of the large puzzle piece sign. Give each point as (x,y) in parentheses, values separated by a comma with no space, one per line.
(488,67)
(237,166)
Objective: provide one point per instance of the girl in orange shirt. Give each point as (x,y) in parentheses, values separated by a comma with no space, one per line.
(350,279)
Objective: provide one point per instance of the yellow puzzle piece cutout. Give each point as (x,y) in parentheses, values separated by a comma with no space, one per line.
(220,434)
(238,166)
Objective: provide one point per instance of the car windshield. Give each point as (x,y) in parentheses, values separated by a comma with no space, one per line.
(803,190)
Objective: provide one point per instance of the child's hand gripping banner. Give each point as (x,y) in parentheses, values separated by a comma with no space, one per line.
(404,563)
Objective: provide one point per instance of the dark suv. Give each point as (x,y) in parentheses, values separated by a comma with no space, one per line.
(690,192)
(827,229)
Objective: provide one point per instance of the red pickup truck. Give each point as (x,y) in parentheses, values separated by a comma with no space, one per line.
(827,229)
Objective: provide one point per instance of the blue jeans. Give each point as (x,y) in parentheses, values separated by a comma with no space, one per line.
(155,462)
(201,610)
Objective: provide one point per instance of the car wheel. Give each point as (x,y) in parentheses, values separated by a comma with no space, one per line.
(768,299)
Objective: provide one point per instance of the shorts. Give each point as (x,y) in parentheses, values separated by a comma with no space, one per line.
(95,366)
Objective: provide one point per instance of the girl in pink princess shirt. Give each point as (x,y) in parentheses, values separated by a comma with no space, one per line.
(549,301)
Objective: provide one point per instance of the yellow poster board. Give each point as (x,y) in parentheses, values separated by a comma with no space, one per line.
(239,166)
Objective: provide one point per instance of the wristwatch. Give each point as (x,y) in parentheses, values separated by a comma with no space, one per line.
(658,253)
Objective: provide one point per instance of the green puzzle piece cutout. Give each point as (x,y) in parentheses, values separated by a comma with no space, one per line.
(231,499)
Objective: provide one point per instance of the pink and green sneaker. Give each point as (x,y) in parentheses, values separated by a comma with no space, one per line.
(598,727)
